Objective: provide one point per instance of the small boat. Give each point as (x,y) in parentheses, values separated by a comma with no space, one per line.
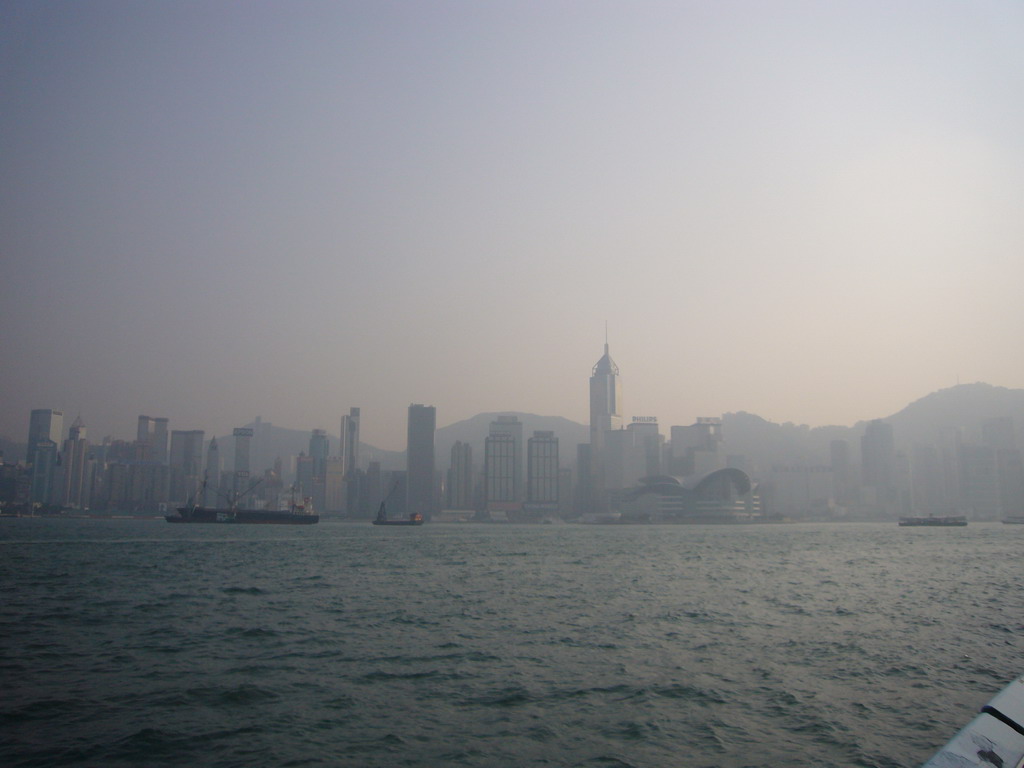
(382,514)
(1013,520)
(933,520)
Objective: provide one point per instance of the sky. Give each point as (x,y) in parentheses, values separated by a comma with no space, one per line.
(213,211)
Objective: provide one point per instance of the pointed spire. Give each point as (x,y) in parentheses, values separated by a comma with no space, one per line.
(606,366)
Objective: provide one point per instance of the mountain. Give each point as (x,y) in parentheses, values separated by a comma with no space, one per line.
(964,407)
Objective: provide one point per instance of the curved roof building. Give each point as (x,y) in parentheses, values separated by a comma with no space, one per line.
(721,496)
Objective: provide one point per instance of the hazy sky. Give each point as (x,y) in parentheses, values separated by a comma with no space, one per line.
(813,211)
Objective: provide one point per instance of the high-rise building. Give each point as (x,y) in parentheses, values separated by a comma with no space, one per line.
(304,474)
(460,477)
(243,446)
(334,486)
(43,424)
(350,460)
(542,470)
(319,450)
(350,440)
(45,430)
(186,461)
(500,471)
(420,459)
(877,454)
(605,415)
(512,427)
(212,488)
(151,438)
(76,475)
(878,468)
(44,488)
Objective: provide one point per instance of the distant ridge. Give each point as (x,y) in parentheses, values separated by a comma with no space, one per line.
(925,421)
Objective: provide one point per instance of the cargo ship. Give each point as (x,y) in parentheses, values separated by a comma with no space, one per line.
(296,514)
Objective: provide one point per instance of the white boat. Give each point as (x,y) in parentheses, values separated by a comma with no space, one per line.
(994,738)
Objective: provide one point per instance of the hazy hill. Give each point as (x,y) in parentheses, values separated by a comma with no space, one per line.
(965,407)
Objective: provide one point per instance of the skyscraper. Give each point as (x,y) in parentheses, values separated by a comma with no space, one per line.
(350,441)
(76,478)
(243,445)
(499,471)
(605,415)
(185,460)
(542,470)
(45,429)
(43,424)
(460,477)
(420,459)
(319,450)
(212,489)
(513,428)
(350,460)
(151,437)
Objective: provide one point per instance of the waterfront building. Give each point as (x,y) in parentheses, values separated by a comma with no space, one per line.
(334,486)
(879,494)
(510,426)
(243,447)
(697,449)
(419,480)
(460,477)
(350,459)
(542,471)
(76,465)
(151,437)
(722,496)
(44,473)
(500,471)
(319,450)
(304,466)
(43,424)
(185,462)
(212,487)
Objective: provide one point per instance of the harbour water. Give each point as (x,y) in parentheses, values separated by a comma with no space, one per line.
(140,643)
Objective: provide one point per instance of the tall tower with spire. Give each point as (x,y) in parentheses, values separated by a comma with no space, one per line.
(605,415)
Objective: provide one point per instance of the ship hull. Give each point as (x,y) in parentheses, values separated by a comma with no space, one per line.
(937,522)
(398,522)
(240,517)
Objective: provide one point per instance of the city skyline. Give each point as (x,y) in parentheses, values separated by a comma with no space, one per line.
(806,212)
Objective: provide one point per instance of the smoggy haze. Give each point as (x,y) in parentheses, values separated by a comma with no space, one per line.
(212,211)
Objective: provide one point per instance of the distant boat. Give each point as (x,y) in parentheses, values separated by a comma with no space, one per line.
(931,520)
(296,514)
(1013,520)
(382,514)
